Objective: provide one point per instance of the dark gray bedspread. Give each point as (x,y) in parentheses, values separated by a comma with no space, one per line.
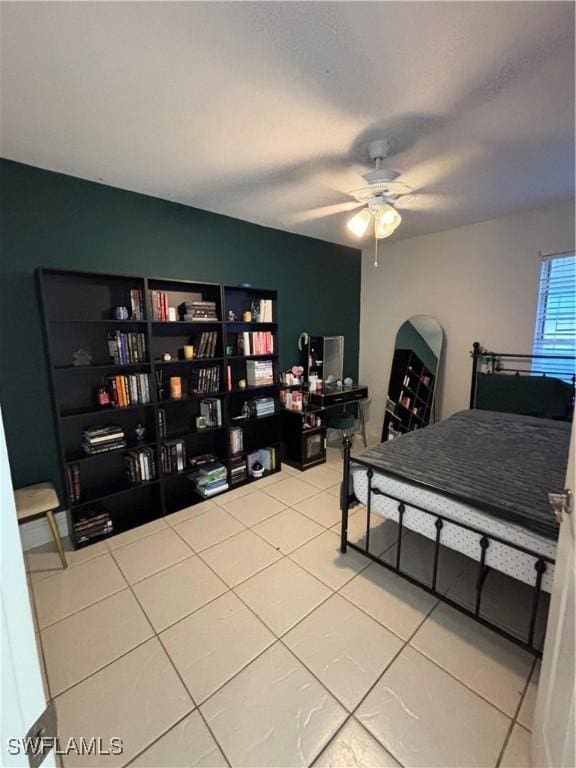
(500,463)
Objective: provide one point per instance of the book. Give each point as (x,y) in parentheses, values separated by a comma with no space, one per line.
(136,304)
(236,439)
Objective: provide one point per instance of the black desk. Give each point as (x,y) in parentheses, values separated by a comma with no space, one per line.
(332,395)
(304,447)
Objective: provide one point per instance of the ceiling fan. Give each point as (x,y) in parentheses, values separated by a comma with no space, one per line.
(380,196)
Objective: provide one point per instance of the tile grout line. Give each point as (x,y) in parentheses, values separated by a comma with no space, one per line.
(195,707)
(352,713)
(279,637)
(515,718)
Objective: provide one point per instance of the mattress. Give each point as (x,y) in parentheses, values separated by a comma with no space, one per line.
(499,556)
(499,463)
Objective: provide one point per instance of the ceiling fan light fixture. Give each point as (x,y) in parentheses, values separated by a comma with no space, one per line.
(386,221)
(359,223)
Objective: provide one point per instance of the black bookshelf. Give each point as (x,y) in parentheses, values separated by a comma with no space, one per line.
(410,394)
(78,315)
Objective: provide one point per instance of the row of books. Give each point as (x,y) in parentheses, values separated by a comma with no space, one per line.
(94,523)
(265,311)
(161,306)
(259,373)
(126,348)
(205,380)
(140,465)
(207,345)
(136,304)
(211,410)
(173,456)
(127,390)
(255,343)
(198,311)
(103,438)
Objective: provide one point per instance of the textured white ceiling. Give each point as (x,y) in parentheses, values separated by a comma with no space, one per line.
(256,110)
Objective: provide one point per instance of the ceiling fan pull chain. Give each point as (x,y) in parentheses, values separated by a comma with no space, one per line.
(375,251)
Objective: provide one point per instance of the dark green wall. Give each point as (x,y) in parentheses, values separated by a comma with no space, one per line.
(51,220)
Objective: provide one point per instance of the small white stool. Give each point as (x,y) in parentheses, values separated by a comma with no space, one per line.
(37,500)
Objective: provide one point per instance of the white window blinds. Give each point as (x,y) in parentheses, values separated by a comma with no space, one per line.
(555,332)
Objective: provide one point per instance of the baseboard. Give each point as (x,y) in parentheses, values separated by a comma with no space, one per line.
(37,532)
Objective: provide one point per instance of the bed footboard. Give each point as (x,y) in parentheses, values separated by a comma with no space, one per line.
(541,562)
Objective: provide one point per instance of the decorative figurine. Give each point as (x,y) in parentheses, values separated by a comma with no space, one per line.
(255,309)
(242,384)
(82,357)
(140,431)
(231,317)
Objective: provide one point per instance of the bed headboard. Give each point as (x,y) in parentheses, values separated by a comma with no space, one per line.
(533,385)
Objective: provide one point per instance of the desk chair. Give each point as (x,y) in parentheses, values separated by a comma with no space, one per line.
(344,419)
(35,501)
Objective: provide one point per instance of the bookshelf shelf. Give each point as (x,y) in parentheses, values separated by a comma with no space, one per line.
(243,326)
(89,320)
(73,457)
(194,433)
(187,398)
(103,367)
(238,422)
(269,356)
(119,490)
(112,410)
(205,361)
(77,314)
(186,323)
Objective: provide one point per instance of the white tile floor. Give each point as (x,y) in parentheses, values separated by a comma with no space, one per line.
(236,633)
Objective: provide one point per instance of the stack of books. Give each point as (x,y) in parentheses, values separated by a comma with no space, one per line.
(128,390)
(136,304)
(94,522)
(140,465)
(205,380)
(211,409)
(255,343)
(206,347)
(127,347)
(198,311)
(210,479)
(173,456)
(264,406)
(238,471)
(259,373)
(103,438)
(236,440)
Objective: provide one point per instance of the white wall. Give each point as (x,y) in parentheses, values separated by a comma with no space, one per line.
(480,281)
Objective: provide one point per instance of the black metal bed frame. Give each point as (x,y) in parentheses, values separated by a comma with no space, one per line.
(541,562)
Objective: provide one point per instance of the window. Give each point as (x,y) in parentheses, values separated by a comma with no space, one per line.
(555,332)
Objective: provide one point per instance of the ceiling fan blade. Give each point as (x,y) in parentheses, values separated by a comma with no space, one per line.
(324,210)
(422,201)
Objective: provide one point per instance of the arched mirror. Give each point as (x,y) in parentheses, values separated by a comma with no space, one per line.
(414,375)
